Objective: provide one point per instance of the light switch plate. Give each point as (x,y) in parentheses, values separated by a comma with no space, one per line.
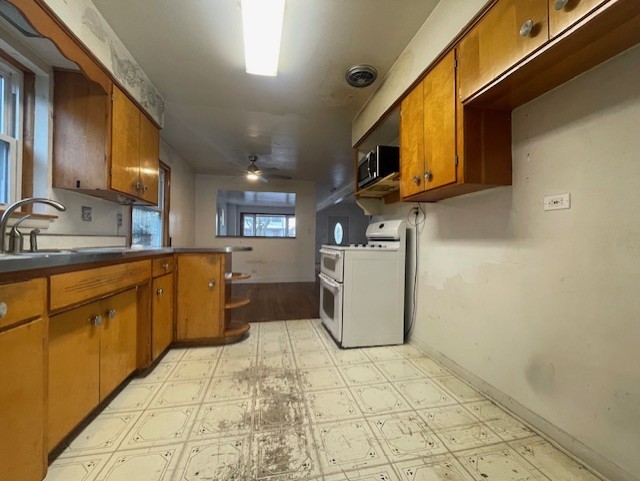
(118,220)
(557,201)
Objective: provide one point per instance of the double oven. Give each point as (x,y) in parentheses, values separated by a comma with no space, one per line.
(362,288)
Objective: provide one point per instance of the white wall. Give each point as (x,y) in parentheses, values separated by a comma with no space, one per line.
(444,23)
(182,216)
(543,306)
(272,260)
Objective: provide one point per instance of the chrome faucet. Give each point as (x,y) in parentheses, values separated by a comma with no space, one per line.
(7,214)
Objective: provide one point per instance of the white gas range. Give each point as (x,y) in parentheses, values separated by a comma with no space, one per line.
(362,287)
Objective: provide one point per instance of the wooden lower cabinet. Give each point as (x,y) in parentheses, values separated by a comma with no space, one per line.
(118,343)
(92,349)
(22,455)
(162,315)
(200,296)
(74,369)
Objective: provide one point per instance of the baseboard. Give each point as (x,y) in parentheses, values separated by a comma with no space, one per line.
(598,464)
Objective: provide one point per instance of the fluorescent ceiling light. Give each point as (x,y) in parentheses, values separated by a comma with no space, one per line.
(262,27)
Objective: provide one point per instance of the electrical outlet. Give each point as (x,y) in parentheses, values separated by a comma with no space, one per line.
(87,213)
(118,220)
(558,201)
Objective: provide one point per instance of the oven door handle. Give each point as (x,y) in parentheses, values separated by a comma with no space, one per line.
(330,253)
(329,281)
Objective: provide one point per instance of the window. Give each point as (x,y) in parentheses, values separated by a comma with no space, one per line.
(10,129)
(150,225)
(268,225)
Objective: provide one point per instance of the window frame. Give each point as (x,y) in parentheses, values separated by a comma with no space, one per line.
(266,214)
(16,110)
(166,239)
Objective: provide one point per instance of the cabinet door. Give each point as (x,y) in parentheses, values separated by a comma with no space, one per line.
(200,304)
(162,314)
(149,159)
(118,341)
(74,369)
(412,142)
(564,13)
(22,402)
(500,40)
(440,124)
(125,144)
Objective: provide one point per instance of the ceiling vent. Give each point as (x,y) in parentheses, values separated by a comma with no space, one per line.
(361,76)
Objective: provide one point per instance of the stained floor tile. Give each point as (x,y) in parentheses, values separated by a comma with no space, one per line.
(288,404)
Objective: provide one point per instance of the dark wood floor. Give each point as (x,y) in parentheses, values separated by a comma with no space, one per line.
(278,302)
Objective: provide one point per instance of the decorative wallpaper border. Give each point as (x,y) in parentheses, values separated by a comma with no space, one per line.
(91,28)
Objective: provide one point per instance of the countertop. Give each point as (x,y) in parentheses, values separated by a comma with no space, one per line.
(44,260)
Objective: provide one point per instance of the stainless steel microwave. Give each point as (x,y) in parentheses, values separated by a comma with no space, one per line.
(377,164)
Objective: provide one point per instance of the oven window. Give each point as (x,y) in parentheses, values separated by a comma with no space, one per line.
(328,303)
(329,263)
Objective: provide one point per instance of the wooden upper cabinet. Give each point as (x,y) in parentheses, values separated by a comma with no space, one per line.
(103,145)
(149,159)
(428,131)
(564,13)
(440,123)
(509,32)
(200,296)
(412,142)
(125,145)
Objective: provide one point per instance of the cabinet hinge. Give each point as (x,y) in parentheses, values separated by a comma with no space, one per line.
(455,62)
(456,160)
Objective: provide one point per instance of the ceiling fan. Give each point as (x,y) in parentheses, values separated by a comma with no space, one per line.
(253,172)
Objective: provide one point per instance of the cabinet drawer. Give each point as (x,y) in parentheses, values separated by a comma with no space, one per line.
(22,300)
(162,266)
(508,33)
(76,287)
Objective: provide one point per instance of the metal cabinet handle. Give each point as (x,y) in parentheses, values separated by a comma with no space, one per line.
(144,188)
(137,185)
(160,291)
(526,28)
(428,175)
(3,309)
(165,265)
(96,320)
(212,283)
(111,313)
(416,180)
(560,4)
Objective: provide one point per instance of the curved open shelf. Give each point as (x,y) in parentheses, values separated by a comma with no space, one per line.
(236,276)
(234,303)
(235,330)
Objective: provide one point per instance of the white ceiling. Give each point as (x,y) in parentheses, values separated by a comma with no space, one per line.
(300,121)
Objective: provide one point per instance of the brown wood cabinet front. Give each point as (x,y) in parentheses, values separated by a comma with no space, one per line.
(564,13)
(103,145)
(74,369)
(511,30)
(118,341)
(200,301)
(22,454)
(428,131)
(162,315)
(125,144)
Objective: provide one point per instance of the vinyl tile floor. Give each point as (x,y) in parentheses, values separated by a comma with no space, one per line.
(288,404)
